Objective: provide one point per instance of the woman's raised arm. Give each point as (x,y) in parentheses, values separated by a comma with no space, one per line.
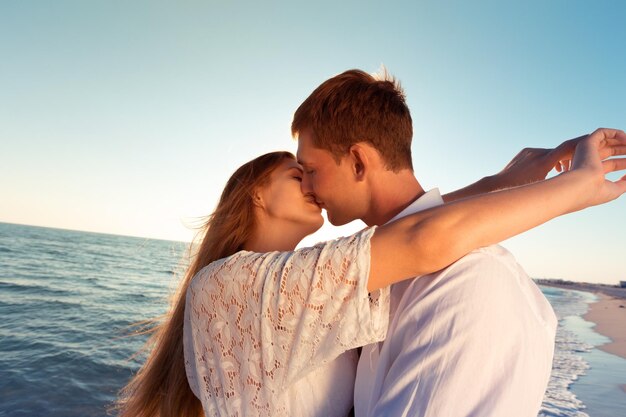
(430,240)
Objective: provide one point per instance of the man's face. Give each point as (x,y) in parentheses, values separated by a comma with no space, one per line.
(333,185)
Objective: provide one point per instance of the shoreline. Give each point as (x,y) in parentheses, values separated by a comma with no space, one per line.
(608,313)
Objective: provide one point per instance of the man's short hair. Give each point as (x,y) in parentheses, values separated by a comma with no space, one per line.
(353,107)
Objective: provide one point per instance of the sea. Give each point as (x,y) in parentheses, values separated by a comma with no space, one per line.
(69,299)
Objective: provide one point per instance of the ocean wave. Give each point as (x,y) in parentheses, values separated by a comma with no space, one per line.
(568,364)
(23,288)
(20,342)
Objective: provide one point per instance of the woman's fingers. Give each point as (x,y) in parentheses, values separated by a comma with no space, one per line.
(605,133)
(616,150)
(607,150)
(612,165)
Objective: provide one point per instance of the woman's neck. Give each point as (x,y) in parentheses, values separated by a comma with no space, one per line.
(274,238)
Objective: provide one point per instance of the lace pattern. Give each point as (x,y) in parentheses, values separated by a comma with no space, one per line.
(256,323)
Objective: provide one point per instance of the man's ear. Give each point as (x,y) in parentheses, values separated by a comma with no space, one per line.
(359,160)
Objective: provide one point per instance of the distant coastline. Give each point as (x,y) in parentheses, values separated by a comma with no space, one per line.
(614,291)
(608,313)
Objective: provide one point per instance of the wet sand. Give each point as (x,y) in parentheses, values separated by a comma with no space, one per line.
(608,313)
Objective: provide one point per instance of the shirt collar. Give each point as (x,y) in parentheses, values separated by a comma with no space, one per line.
(428,200)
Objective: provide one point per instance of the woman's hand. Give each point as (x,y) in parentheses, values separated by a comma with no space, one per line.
(429,240)
(533,164)
(592,158)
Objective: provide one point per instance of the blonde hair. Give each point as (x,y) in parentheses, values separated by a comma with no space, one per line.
(160,387)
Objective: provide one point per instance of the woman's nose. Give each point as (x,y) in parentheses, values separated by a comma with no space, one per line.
(306,185)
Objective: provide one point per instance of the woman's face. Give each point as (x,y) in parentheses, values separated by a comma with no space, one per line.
(284,203)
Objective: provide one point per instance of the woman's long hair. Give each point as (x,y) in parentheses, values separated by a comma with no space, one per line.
(160,387)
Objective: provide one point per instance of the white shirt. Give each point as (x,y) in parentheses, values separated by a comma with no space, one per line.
(270,334)
(475,339)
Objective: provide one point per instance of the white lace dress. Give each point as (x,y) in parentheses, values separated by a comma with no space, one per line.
(269,334)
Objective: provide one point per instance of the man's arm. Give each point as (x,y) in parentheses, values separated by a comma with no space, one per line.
(528,166)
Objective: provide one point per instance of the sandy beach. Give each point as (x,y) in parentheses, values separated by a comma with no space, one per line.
(608,313)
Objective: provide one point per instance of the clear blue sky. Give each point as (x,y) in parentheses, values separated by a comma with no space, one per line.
(127,117)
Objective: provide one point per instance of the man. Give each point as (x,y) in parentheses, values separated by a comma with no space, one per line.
(475,339)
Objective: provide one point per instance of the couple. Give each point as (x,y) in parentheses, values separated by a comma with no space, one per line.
(449,325)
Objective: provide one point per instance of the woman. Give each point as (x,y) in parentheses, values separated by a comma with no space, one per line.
(259,339)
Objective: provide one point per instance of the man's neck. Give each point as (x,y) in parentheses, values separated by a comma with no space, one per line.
(392,192)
